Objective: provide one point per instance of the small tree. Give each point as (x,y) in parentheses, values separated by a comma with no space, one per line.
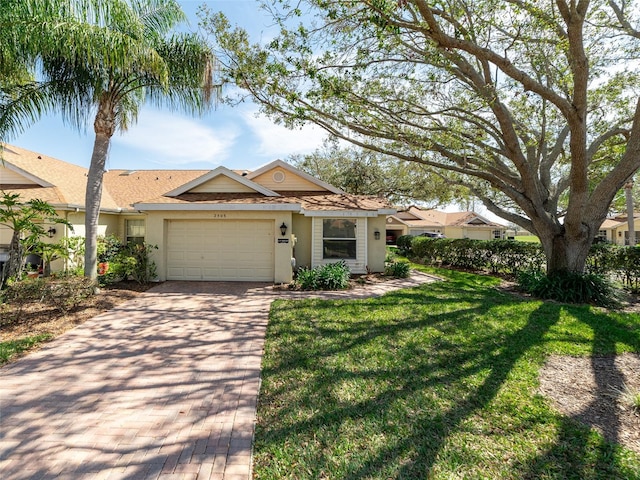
(26,220)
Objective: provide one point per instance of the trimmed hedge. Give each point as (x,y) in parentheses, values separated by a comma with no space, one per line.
(511,258)
(496,256)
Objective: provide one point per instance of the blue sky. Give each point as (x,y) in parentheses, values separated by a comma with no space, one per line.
(231,136)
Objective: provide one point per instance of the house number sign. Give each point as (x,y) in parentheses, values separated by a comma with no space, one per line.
(283,240)
(219,215)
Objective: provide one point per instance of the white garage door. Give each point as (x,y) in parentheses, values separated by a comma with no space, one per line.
(237,250)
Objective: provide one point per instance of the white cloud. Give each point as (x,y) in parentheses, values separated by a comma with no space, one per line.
(277,141)
(171,139)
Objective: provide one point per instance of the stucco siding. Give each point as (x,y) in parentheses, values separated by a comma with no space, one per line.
(302,230)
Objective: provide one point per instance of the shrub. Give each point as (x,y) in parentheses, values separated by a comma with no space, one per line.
(63,294)
(404,244)
(307,279)
(570,287)
(129,261)
(397,269)
(332,276)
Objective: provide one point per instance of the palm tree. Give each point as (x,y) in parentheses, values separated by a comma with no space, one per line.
(132,55)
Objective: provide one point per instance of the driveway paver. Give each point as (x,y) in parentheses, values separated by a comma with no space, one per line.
(163,386)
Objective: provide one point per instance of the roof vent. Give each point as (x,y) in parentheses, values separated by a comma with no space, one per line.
(127,173)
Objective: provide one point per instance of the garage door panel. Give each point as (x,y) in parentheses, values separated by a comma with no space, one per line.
(220,250)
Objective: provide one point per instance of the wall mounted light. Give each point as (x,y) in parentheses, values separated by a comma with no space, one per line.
(51,232)
(376,234)
(283,229)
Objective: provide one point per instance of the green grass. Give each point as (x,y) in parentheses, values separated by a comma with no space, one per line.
(527,238)
(15,347)
(436,382)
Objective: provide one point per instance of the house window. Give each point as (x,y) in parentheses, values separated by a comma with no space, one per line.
(497,234)
(626,237)
(602,236)
(338,238)
(135,231)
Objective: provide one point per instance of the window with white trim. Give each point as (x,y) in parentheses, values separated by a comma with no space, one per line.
(497,234)
(135,231)
(338,238)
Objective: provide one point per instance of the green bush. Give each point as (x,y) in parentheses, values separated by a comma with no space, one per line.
(332,276)
(626,267)
(404,244)
(570,287)
(397,269)
(129,261)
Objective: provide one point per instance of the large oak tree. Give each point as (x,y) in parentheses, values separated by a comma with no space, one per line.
(532,105)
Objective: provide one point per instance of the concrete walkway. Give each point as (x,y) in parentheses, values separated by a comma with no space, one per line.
(163,386)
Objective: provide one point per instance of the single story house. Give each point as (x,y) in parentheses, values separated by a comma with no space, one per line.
(616,230)
(415,221)
(212,224)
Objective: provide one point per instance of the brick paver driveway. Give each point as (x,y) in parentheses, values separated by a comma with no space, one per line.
(163,386)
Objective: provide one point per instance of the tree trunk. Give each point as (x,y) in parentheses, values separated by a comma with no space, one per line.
(13,266)
(565,255)
(630,213)
(104,127)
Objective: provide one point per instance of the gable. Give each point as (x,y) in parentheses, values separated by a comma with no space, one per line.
(12,177)
(221,180)
(279,176)
(282,180)
(221,184)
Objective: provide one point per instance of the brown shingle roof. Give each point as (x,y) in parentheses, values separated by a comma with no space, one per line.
(436,218)
(124,188)
(131,186)
(69,181)
(312,201)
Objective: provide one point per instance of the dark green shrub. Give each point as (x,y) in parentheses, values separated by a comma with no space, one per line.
(569,287)
(108,248)
(403,243)
(626,267)
(129,261)
(332,276)
(397,269)
(602,258)
(138,263)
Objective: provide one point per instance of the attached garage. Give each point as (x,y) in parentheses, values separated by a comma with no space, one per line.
(215,250)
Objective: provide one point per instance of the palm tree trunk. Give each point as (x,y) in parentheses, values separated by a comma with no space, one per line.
(630,212)
(104,127)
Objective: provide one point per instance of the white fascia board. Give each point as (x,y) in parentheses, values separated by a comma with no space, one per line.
(339,213)
(387,211)
(245,207)
(295,171)
(226,172)
(24,173)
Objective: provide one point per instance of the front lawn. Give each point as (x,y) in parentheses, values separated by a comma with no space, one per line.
(435,382)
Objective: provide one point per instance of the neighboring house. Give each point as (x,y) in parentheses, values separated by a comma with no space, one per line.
(213,224)
(416,221)
(616,230)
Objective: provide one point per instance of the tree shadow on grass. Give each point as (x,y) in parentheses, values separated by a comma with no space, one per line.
(579,452)
(382,396)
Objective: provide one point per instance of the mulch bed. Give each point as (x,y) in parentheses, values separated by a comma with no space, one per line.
(588,389)
(39,318)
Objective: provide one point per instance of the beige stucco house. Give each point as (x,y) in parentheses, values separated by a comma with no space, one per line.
(616,230)
(416,221)
(213,224)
